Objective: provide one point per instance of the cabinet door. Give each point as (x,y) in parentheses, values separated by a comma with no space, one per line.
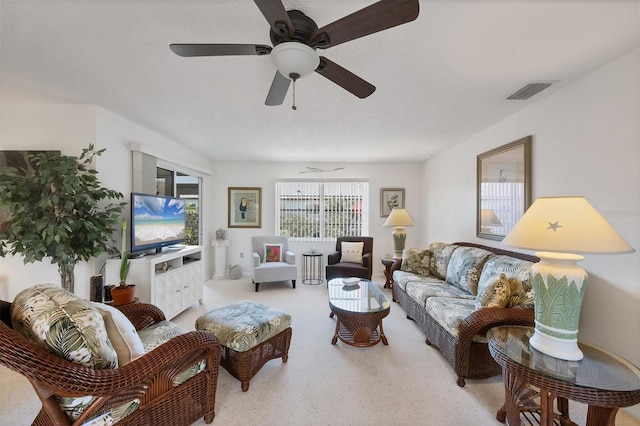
(192,282)
(169,292)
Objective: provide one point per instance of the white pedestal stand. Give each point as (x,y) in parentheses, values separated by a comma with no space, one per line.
(220,258)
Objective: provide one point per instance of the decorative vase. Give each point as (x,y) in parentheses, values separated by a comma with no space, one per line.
(123,294)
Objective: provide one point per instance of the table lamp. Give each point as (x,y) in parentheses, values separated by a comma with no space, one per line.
(560,227)
(488,220)
(399,218)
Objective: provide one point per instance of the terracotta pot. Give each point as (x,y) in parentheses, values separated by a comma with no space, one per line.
(122,295)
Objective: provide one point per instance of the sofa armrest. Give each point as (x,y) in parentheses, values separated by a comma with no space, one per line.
(255,257)
(480,321)
(333,258)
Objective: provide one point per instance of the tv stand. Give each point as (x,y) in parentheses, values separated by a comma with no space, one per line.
(172,279)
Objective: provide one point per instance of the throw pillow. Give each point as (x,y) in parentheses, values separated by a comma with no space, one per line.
(416,261)
(63,324)
(496,295)
(273,252)
(505,292)
(351,252)
(122,334)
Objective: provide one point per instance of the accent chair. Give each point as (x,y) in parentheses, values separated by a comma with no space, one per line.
(346,261)
(272,260)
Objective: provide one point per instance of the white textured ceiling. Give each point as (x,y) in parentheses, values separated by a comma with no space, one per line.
(439,79)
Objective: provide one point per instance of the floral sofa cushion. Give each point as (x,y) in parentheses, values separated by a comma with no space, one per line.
(440,255)
(417,261)
(465,267)
(243,325)
(63,324)
(511,267)
(402,278)
(421,291)
(449,312)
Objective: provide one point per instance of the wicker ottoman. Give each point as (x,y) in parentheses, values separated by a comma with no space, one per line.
(250,334)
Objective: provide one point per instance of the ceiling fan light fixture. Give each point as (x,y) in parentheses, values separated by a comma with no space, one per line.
(294,60)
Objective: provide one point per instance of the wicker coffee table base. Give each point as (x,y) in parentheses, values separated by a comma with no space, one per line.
(359,329)
(244,365)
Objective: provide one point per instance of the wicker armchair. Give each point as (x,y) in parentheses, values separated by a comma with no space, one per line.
(148,378)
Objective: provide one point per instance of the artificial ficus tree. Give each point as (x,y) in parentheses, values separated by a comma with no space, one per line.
(58,209)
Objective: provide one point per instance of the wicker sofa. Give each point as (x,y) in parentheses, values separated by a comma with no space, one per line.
(441,288)
(170,380)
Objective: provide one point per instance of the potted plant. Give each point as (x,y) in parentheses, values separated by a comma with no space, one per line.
(58,209)
(123,293)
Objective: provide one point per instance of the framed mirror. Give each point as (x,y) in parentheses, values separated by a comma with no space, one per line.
(504,188)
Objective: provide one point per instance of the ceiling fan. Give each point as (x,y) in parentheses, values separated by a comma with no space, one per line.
(319,170)
(295,38)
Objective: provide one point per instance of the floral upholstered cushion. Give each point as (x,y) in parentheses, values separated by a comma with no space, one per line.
(243,325)
(512,268)
(440,255)
(402,278)
(417,261)
(421,291)
(450,312)
(74,407)
(63,324)
(465,267)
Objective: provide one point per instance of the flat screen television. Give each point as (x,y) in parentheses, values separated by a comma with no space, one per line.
(157,221)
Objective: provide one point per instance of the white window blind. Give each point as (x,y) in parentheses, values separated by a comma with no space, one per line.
(506,199)
(321,211)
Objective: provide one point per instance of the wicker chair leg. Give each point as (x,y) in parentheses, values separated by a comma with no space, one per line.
(245,386)
(461,381)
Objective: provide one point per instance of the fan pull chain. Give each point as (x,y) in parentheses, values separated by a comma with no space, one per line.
(294,76)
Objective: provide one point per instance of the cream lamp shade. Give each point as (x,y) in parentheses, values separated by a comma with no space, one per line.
(560,227)
(488,217)
(399,218)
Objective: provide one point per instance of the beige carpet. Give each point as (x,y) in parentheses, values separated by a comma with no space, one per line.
(405,383)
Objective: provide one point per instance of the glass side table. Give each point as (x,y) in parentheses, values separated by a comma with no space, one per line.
(602,380)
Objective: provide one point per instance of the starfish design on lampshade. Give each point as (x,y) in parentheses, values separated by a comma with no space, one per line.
(554,226)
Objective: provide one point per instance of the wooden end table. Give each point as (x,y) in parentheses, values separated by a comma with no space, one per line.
(602,380)
(388,263)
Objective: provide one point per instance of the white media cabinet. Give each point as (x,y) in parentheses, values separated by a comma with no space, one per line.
(172,280)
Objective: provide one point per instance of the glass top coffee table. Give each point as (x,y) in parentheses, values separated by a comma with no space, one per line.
(359,306)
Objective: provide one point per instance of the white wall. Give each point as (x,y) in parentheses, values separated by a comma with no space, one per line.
(586,141)
(70,128)
(264,175)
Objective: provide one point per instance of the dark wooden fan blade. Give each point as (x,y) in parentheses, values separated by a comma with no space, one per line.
(377,17)
(278,90)
(344,78)
(277,17)
(188,50)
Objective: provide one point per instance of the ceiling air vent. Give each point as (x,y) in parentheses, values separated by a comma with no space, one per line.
(528,91)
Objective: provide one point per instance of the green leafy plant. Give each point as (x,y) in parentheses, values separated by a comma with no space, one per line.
(58,209)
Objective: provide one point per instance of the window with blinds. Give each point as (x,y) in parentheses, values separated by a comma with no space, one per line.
(322,211)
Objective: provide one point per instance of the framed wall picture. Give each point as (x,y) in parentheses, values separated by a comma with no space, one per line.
(391,198)
(245,207)
(504,188)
